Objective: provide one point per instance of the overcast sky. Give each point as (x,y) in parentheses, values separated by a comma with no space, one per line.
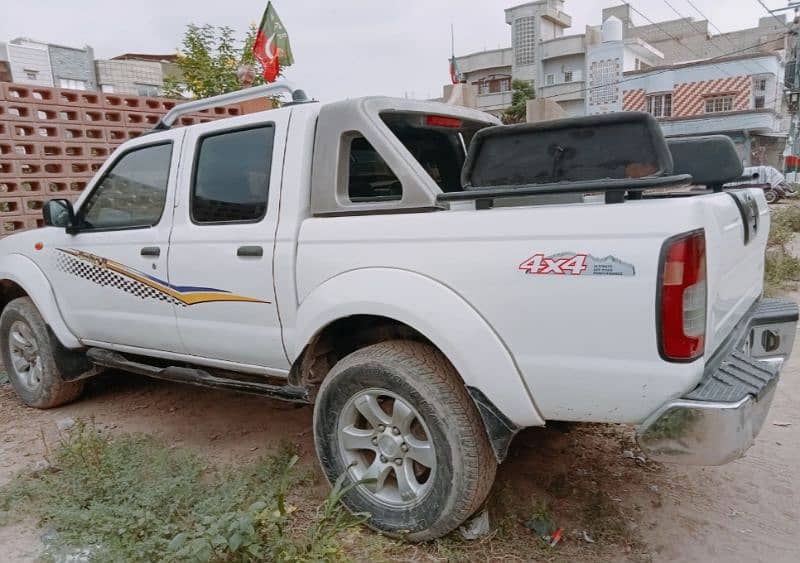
(342,48)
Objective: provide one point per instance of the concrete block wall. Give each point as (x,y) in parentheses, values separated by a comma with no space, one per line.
(52,141)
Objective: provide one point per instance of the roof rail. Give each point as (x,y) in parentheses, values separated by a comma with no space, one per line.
(238,96)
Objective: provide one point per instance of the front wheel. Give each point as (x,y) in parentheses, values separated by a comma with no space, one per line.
(396,419)
(27,351)
(771,196)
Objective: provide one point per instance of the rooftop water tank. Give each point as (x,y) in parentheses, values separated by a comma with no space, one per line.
(612,29)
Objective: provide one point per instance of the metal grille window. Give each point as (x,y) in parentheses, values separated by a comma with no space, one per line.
(659,105)
(550,79)
(719,104)
(524,40)
(567,76)
(760,84)
(604,84)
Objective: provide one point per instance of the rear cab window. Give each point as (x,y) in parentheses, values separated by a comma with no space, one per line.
(437,142)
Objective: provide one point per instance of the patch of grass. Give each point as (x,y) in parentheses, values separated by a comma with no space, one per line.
(788,215)
(3,378)
(130,498)
(782,268)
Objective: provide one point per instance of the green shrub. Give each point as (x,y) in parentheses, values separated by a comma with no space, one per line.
(130,498)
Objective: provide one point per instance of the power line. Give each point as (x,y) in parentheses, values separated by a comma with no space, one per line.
(721,33)
(779,20)
(678,41)
(662,71)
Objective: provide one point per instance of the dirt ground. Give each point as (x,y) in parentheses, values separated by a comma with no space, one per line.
(748,510)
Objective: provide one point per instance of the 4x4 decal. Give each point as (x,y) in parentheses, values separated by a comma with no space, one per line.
(576,264)
(103,271)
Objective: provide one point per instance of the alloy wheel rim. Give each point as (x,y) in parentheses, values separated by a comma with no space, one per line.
(26,361)
(384,441)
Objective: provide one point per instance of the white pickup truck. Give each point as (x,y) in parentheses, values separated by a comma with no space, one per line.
(431,280)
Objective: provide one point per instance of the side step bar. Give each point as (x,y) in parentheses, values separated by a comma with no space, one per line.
(197,376)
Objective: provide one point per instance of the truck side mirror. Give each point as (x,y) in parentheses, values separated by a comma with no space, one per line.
(58,213)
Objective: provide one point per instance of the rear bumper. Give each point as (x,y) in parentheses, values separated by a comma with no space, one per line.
(718,420)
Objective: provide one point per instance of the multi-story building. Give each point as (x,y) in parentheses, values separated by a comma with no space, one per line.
(692,82)
(740,96)
(25,61)
(45,64)
(136,74)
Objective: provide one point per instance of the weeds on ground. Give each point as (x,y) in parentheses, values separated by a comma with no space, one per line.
(130,498)
(3,378)
(782,267)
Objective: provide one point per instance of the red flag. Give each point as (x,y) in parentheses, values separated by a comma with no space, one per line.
(454,78)
(271,46)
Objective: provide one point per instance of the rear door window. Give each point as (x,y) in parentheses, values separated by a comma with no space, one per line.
(231,178)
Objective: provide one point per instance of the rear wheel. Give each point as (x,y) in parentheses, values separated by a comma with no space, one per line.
(397,420)
(27,351)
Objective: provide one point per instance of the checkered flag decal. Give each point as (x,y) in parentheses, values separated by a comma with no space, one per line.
(104,277)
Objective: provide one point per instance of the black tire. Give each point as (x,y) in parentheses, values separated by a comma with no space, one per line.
(771,196)
(465,465)
(48,390)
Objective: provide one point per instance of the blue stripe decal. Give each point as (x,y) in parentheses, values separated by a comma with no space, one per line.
(182,288)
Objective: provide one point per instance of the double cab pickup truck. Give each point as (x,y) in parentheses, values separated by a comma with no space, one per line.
(430,280)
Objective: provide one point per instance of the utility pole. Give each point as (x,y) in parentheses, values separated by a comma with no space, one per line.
(792,78)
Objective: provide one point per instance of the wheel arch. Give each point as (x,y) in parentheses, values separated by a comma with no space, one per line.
(403,304)
(19,277)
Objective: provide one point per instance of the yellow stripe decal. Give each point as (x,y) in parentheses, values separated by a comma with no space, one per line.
(186,297)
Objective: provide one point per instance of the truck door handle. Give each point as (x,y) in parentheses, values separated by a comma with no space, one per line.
(249,251)
(151,251)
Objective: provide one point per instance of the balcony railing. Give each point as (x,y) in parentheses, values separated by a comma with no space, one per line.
(562,46)
(496,100)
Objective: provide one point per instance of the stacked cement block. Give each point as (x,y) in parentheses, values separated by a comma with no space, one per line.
(52,141)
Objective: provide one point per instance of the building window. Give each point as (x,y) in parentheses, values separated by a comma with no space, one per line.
(549,80)
(567,76)
(524,40)
(719,104)
(107,88)
(70,84)
(760,84)
(31,74)
(659,105)
(759,102)
(493,85)
(147,90)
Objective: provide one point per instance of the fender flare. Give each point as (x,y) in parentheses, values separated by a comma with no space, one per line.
(439,314)
(24,272)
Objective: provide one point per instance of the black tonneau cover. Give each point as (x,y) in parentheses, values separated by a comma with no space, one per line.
(619,154)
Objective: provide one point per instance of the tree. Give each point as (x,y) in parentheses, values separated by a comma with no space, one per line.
(522,91)
(208,59)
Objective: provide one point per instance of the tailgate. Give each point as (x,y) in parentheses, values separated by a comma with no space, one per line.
(737,226)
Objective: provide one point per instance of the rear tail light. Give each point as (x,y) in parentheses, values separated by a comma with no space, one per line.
(682,297)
